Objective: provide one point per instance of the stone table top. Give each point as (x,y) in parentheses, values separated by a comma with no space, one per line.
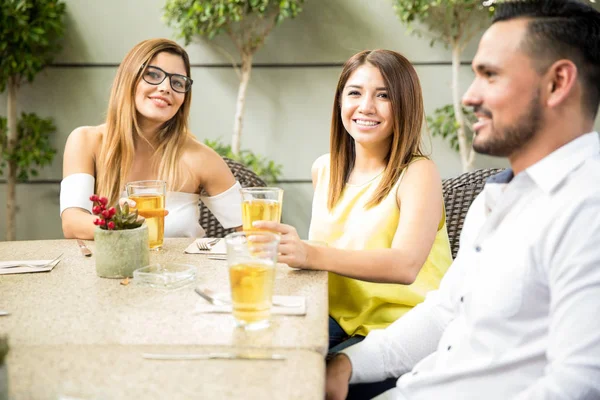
(71,305)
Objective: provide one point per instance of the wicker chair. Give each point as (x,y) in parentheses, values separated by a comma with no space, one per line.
(247,178)
(459,193)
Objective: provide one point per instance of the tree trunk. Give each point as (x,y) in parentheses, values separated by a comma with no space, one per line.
(463,145)
(241,102)
(11,187)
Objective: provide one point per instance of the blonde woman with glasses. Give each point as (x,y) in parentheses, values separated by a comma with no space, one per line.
(146,137)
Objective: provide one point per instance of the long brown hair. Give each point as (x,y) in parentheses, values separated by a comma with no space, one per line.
(406,99)
(116,155)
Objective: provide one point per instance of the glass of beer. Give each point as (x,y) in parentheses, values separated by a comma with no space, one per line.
(261,204)
(149,197)
(251,259)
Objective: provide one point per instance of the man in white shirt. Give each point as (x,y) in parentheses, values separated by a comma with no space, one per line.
(517,314)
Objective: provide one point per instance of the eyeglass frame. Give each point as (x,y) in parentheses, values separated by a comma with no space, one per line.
(144,68)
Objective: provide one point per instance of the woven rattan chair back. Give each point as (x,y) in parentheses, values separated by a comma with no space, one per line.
(459,193)
(247,178)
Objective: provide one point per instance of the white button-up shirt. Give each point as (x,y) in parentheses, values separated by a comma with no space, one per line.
(517,315)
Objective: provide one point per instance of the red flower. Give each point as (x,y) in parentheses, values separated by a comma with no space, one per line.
(113,218)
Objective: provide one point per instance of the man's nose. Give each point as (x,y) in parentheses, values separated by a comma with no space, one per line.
(471,97)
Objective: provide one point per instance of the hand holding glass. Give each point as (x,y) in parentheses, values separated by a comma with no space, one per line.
(261,204)
(251,259)
(149,197)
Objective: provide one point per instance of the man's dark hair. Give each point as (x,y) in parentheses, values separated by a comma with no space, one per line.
(561,29)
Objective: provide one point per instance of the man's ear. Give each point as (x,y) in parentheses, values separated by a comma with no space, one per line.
(562,77)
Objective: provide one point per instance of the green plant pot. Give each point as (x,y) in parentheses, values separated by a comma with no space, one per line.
(119,253)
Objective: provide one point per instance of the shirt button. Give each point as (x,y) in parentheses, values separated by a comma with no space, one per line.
(415,373)
(449,347)
(462,299)
(478,248)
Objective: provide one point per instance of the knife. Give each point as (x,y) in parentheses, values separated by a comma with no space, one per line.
(212,356)
(84,250)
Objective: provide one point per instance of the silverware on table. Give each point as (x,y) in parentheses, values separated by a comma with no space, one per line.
(206,245)
(212,298)
(4,313)
(46,265)
(213,356)
(84,249)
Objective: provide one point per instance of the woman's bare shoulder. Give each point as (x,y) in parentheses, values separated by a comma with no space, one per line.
(85,136)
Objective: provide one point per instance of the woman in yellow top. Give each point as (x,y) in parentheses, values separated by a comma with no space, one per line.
(378,202)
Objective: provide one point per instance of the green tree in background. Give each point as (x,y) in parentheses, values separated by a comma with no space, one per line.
(30,36)
(453,23)
(246,22)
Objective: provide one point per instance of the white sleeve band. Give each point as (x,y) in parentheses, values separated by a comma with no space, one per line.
(226,206)
(75,192)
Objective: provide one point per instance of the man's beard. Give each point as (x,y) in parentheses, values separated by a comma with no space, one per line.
(505,141)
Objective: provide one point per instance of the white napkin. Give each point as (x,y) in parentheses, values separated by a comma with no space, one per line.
(217,248)
(25,270)
(298,303)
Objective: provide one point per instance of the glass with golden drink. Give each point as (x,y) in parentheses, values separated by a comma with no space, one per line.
(149,197)
(261,204)
(251,259)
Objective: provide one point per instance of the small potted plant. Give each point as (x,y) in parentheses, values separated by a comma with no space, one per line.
(121,240)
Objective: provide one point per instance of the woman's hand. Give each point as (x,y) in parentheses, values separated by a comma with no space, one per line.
(292,250)
(132,204)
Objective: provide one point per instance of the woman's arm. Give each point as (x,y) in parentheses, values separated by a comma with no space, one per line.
(79,158)
(420,200)
(220,191)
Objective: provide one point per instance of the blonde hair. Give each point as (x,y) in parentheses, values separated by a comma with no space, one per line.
(117,151)
(406,99)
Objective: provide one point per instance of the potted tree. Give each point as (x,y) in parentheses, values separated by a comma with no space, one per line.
(30,36)
(246,23)
(453,23)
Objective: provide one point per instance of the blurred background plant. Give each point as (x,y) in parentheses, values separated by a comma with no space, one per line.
(33,150)
(246,22)
(266,169)
(443,123)
(453,23)
(31,33)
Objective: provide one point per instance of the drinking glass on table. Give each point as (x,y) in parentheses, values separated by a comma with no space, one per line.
(251,260)
(149,197)
(261,204)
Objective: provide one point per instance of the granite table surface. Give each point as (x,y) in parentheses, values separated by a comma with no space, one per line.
(94,372)
(72,305)
(75,335)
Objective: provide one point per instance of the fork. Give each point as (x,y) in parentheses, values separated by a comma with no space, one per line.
(48,264)
(206,245)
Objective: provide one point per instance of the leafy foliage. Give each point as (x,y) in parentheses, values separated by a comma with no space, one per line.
(266,169)
(33,148)
(247,22)
(443,124)
(30,33)
(446,20)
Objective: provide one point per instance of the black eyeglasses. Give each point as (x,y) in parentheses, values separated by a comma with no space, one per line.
(156,76)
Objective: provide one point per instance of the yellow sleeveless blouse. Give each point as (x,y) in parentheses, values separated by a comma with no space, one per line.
(360,306)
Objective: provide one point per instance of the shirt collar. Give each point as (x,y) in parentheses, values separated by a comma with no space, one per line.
(551,170)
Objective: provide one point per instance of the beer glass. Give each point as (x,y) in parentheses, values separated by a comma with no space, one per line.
(149,197)
(251,260)
(261,204)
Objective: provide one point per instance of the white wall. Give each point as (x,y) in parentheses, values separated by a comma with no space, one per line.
(288,107)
